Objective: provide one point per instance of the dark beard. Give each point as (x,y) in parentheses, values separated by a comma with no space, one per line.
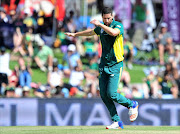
(107,25)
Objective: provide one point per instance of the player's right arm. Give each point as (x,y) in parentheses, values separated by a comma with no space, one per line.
(88,32)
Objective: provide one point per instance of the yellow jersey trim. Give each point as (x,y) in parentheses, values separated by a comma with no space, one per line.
(120,74)
(95,32)
(118,48)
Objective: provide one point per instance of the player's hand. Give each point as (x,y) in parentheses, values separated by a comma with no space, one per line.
(70,34)
(95,22)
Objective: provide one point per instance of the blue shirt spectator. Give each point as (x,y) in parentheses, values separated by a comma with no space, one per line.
(72,57)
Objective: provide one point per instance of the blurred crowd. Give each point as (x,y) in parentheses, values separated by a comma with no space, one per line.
(26,39)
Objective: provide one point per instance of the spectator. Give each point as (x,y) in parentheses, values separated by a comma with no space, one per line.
(17,39)
(65,92)
(76,78)
(90,48)
(146,44)
(175,59)
(47,93)
(176,77)
(4,18)
(72,58)
(26,91)
(93,65)
(61,37)
(40,90)
(136,93)
(61,92)
(128,52)
(70,27)
(168,84)
(125,83)
(168,69)
(10,92)
(91,76)
(169,89)
(139,11)
(40,22)
(13,16)
(55,78)
(29,21)
(153,85)
(4,69)
(164,42)
(125,78)
(25,73)
(92,82)
(44,56)
(13,78)
(78,22)
(6,30)
(27,47)
(140,15)
(75,92)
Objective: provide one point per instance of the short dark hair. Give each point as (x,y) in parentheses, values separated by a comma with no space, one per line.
(106,10)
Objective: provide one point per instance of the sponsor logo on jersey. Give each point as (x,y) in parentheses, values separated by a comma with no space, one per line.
(119,26)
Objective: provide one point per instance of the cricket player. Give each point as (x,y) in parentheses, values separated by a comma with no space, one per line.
(111,65)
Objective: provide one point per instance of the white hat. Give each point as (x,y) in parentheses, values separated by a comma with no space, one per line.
(177,47)
(72,47)
(40,43)
(27,11)
(163,24)
(38,40)
(26,88)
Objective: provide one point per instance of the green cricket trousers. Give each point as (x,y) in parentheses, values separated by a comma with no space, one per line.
(109,78)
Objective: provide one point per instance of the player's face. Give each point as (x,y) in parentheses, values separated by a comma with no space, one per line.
(107,19)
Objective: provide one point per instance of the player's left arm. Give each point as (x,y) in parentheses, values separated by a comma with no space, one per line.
(108,30)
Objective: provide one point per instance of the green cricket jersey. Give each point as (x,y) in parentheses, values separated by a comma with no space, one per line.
(112,47)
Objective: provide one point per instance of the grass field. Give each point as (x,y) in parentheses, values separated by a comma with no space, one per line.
(89,130)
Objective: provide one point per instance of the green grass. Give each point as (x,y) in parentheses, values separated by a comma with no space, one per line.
(89,130)
(137,73)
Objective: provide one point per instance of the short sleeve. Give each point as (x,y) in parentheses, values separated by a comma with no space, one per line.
(120,27)
(77,56)
(97,30)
